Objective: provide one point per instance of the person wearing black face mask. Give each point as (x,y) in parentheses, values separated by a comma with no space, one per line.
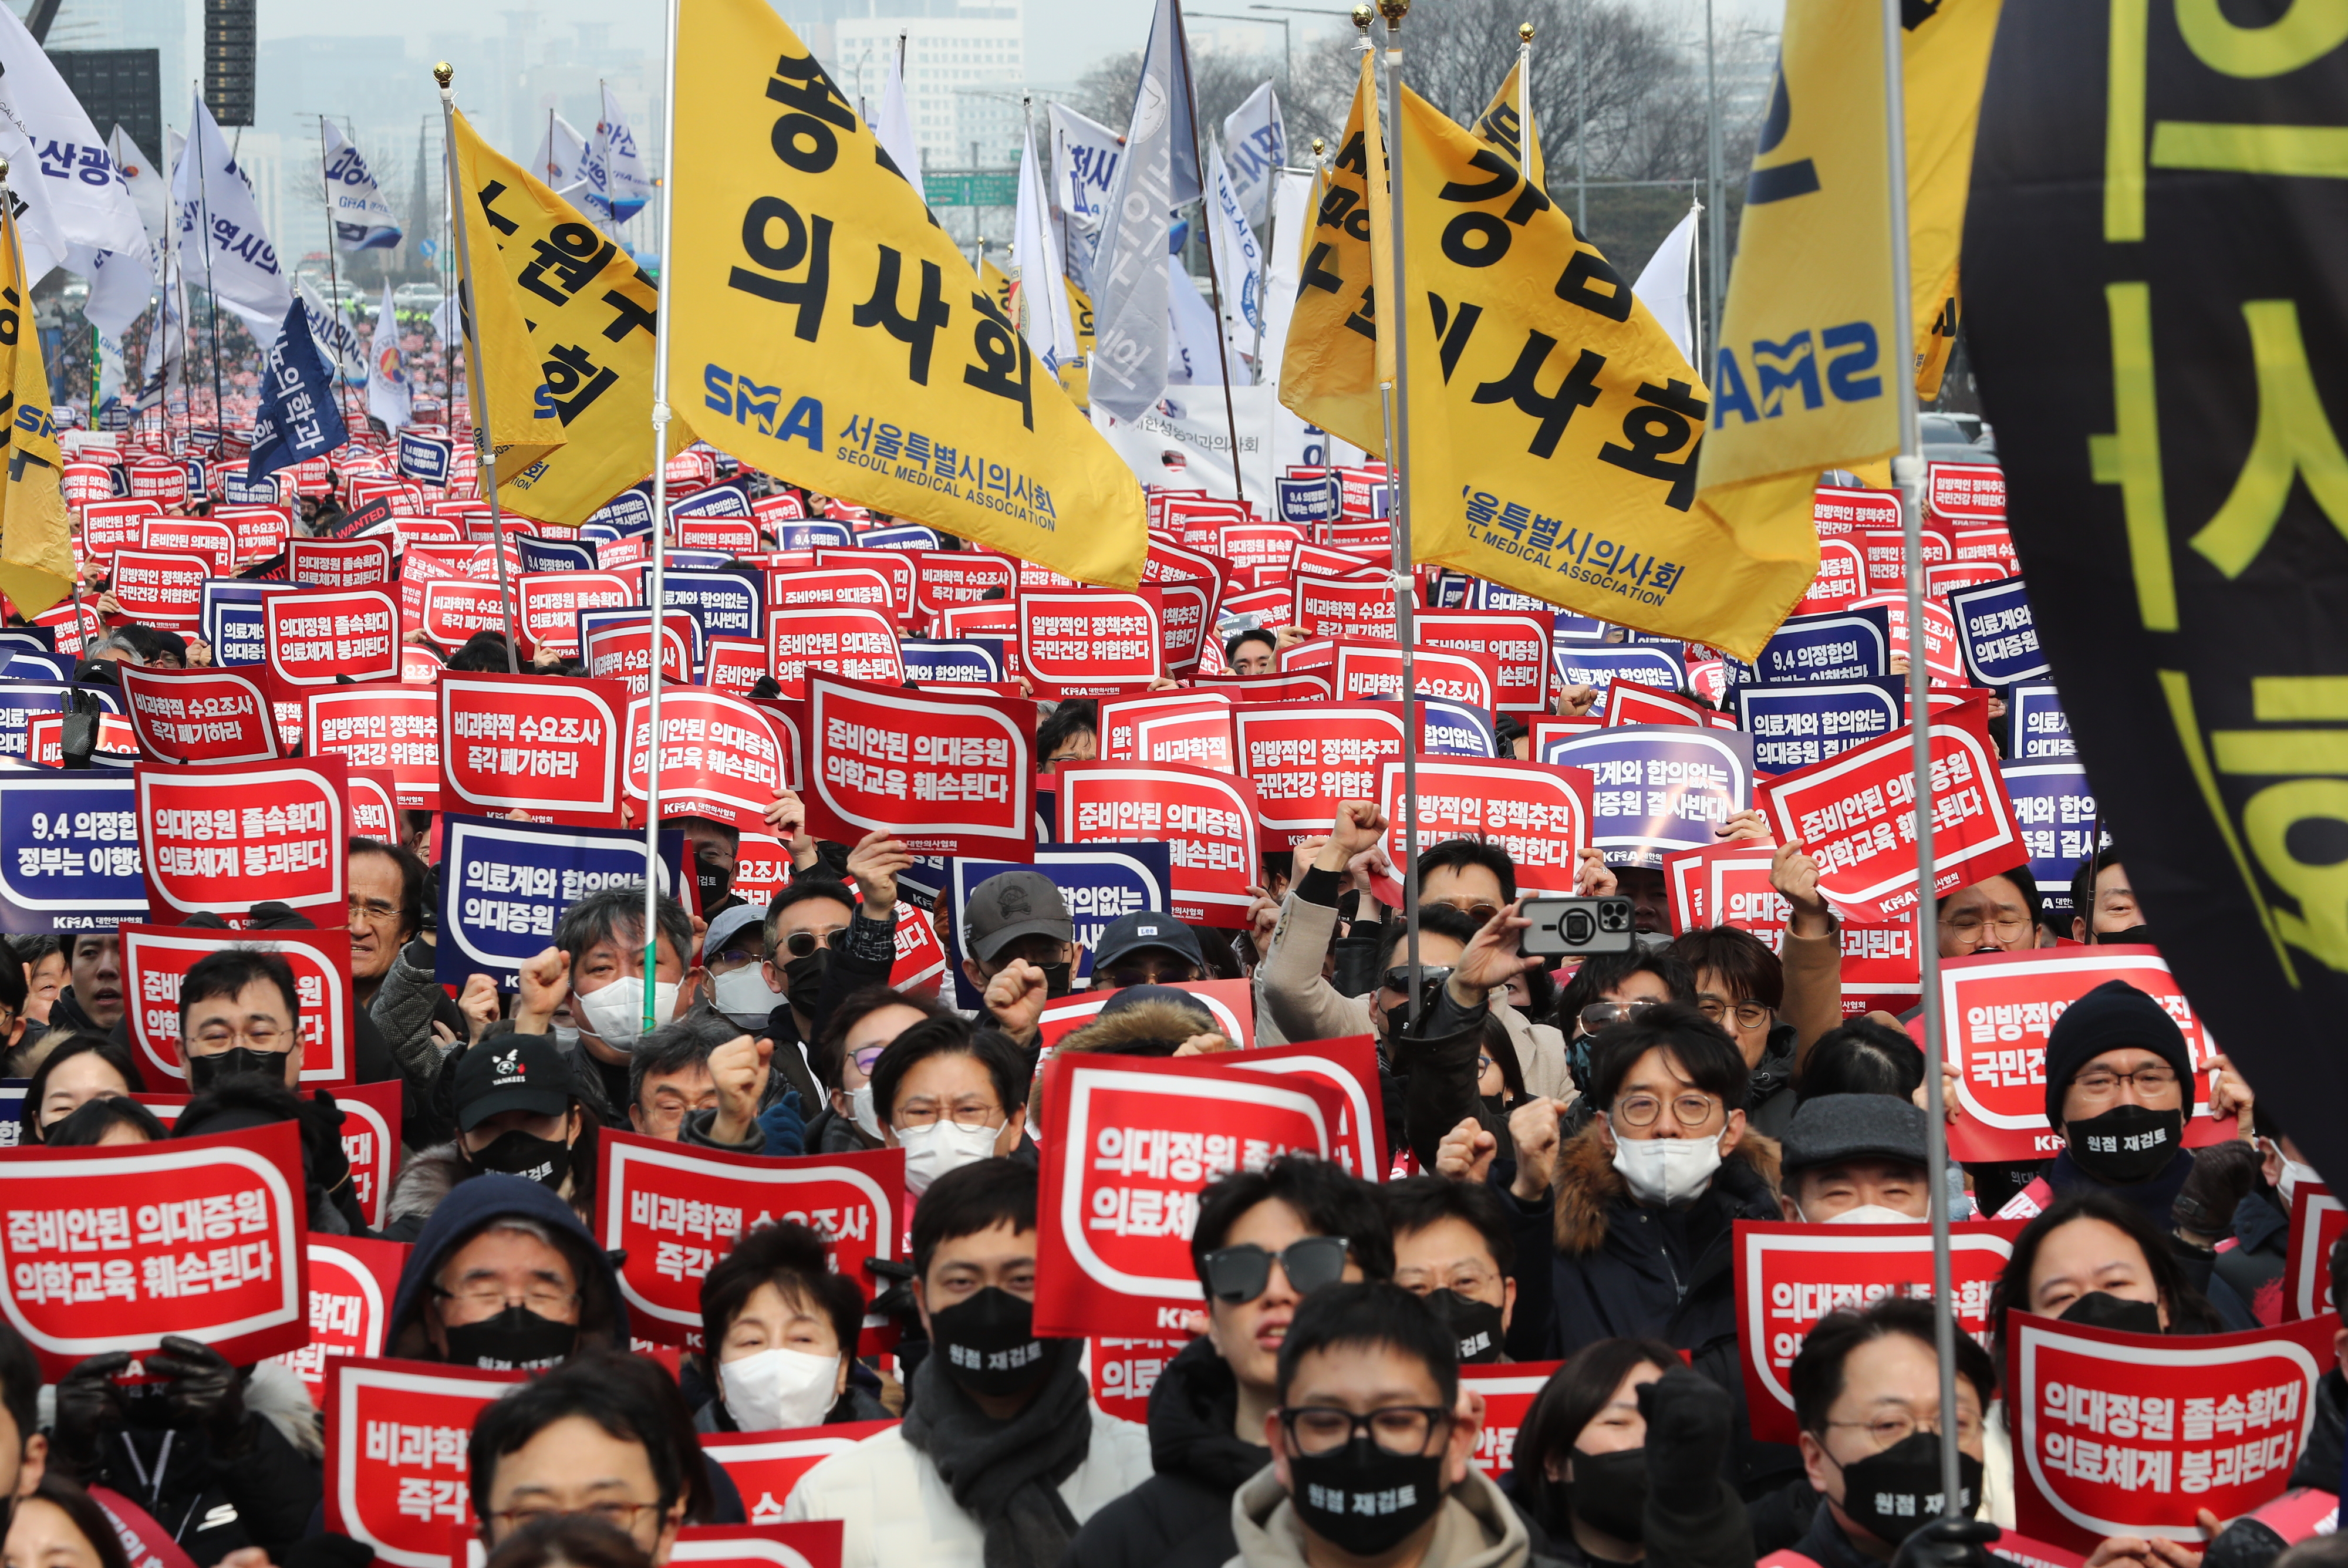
(824,940)
(1019,949)
(505,1276)
(1002,1453)
(239,1013)
(519,1113)
(1453,1250)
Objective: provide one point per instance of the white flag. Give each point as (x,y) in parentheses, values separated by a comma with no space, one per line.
(339,343)
(1291,216)
(895,127)
(1255,144)
(562,161)
(1662,287)
(625,189)
(151,191)
(221,241)
(1084,159)
(387,389)
(120,287)
(363,220)
(1051,327)
(1239,259)
(63,175)
(1130,292)
(1196,346)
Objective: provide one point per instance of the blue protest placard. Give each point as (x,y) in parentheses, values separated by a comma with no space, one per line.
(199,482)
(1449,728)
(811,533)
(1102,883)
(1577,628)
(1995,633)
(504,886)
(722,604)
(20,700)
(554,554)
(69,851)
(1659,787)
(931,661)
(425,459)
(2054,810)
(901,536)
(2041,729)
(32,639)
(630,511)
(1840,645)
(593,621)
(1796,723)
(1598,665)
(238,490)
(1308,501)
(22,664)
(1484,594)
(717,500)
(12,1110)
(694,559)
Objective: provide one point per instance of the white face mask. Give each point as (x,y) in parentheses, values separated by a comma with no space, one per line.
(566,1036)
(1866,1214)
(744,995)
(859,1110)
(778,1389)
(616,1013)
(931,1151)
(1667,1170)
(2293,1174)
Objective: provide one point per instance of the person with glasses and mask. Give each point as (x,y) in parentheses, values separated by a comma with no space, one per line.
(843,1058)
(1454,1247)
(1264,1240)
(505,1275)
(1019,948)
(1774,1010)
(824,939)
(1612,988)
(595,973)
(1371,1448)
(950,1095)
(1002,1454)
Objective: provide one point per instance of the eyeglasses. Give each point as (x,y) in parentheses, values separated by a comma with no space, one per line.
(1480,909)
(1599,1015)
(1396,1430)
(865,1058)
(971,1116)
(620,1516)
(1690,1110)
(1241,1272)
(374,910)
(1967,926)
(734,958)
(1398,979)
(1897,1426)
(799,943)
(262,1038)
(488,1295)
(2102,1083)
(1749,1015)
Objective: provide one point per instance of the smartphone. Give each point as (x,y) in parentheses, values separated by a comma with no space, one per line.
(1577,927)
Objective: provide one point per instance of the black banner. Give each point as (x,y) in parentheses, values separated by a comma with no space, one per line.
(2157,312)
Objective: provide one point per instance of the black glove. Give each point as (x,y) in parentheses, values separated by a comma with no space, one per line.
(2222,1176)
(89,1405)
(204,1389)
(1688,1420)
(322,1158)
(897,1299)
(1948,1543)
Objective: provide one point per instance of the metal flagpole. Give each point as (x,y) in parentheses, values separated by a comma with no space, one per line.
(484,442)
(1214,284)
(203,197)
(1525,94)
(1391,315)
(668,225)
(1908,470)
(1712,164)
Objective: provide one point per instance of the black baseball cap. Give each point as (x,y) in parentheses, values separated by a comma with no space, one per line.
(1139,932)
(1010,905)
(512,1072)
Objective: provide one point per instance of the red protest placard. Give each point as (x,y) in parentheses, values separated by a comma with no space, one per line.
(1515,641)
(1349,1067)
(765,1466)
(1090,641)
(1230,1003)
(734,535)
(547,604)
(762,868)
(1124,1371)
(1192,728)
(896,568)
(1727,884)
(96,1256)
(1372,672)
(389,726)
(159,588)
(842,587)
(733,664)
(720,756)
(226,836)
(1943,653)
(210,714)
(353,1281)
(1788,1276)
(1261,546)
(1842,577)
(1355,609)
(1971,492)
(542,745)
(1129,1143)
(1628,702)
(1841,511)
(2317,1220)
(921,962)
(1996,1011)
(157,958)
(397,1435)
(370,1134)
(801,1543)
(1508,1391)
(1302,686)
(856,641)
(215,542)
(949,774)
(451,610)
(164,483)
(623,653)
(676,1210)
(1539,813)
(1854,813)
(2133,1434)
(1205,819)
(1304,759)
(261,531)
(950,577)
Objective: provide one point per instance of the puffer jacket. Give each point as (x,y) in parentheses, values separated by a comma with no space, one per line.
(1181,1516)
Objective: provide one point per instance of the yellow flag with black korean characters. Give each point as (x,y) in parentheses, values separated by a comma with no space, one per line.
(1331,364)
(1076,375)
(37,560)
(565,318)
(1945,57)
(832,336)
(1553,424)
(1507,124)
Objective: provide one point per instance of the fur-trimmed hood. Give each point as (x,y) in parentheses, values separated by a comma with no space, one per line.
(1588,1187)
(1143,1029)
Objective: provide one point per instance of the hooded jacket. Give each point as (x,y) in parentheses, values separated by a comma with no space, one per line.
(427,1177)
(1180,1517)
(1475,1528)
(469,1206)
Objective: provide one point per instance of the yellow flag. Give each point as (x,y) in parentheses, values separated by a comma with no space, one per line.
(36,563)
(1507,123)
(1076,375)
(565,321)
(1333,363)
(997,284)
(1945,60)
(1803,379)
(1553,424)
(838,338)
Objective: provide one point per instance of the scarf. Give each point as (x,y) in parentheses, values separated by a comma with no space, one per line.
(1008,1474)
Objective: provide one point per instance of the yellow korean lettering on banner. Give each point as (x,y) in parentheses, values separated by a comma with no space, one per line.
(1333,363)
(565,321)
(826,330)
(1553,424)
(37,563)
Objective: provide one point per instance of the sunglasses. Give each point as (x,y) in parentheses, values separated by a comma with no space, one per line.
(799,943)
(1240,1273)
(1599,1015)
(1479,910)
(1398,979)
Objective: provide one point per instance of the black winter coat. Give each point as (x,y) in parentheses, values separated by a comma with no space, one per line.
(1180,1517)
(258,1491)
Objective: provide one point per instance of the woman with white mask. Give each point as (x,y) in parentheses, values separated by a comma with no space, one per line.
(781,1329)
(950,1095)
(843,1057)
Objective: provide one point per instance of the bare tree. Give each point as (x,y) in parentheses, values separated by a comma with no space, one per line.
(1221,82)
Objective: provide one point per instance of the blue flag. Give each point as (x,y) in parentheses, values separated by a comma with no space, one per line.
(298,419)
